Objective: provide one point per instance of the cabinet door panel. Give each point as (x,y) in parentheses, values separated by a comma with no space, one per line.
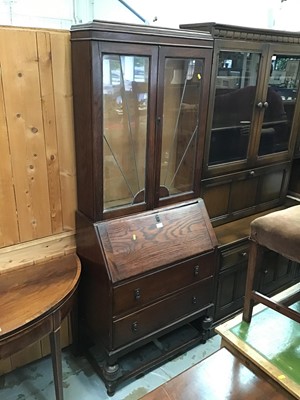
(180,123)
(276,272)
(231,290)
(279,104)
(271,186)
(240,194)
(154,118)
(254,107)
(231,280)
(216,198)
(234,104)
(181,119)
(126,107)
(243,194)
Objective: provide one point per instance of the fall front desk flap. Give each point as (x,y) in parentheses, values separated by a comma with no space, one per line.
(142,242)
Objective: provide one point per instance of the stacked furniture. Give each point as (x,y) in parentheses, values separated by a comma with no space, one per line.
(177,132)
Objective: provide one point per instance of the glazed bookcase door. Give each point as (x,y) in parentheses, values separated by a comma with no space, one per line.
(252,108)
(140,107)
(180,122)
(127,110)
(235,93)
(279,104)
(152,155)
(235,90)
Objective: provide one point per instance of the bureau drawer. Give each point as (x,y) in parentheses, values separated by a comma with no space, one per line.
(236,255)
(163,313)
(142,291)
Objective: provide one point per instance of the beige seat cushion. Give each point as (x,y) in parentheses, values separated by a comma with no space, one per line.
(279,231)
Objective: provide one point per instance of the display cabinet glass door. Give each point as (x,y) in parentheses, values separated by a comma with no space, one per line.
(125,82)
(180,122)
(253,107)
(152,153)
(234,104)
(279,105)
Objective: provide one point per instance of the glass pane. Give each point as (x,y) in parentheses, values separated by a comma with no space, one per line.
(125,103)
(182,88)
(233,107)
(280,104)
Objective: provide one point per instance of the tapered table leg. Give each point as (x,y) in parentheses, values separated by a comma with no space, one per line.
(56,362)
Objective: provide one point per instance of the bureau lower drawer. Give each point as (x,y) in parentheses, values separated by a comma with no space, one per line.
(234,256)
(140,292)
(162,313)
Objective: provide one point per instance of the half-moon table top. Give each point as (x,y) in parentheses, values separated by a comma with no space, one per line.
(30,293)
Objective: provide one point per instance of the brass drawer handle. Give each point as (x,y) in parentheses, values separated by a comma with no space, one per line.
(194,300)
(244,254)
(134,327)
(137,294)
(196,270)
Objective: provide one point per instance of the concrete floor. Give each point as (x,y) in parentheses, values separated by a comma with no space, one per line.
(80,382)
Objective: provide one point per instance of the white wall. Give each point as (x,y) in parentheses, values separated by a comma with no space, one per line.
(279,14)
(172,13)
(37,13)
(288,17)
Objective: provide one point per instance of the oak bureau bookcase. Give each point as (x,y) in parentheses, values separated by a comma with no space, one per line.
(144,237)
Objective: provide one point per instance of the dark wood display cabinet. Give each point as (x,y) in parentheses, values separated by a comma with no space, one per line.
(145,240)
(254,114)
(251,150)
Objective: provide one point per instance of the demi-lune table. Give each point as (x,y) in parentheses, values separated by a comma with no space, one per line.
(33,302)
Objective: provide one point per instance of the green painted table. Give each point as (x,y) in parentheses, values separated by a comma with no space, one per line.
(271,342)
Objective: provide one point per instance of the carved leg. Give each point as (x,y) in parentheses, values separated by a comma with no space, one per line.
(206,326)
(111,375)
